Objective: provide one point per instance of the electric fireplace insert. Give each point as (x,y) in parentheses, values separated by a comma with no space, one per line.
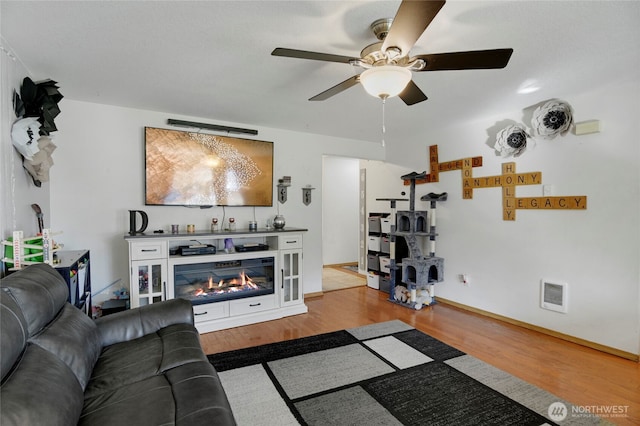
(225,280)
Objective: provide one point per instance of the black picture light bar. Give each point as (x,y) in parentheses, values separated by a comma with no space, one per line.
(207,126)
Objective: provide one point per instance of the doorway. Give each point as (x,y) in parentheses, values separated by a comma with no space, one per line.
(340,222)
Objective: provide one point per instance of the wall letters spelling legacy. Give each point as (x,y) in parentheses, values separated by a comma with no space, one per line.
(508,181)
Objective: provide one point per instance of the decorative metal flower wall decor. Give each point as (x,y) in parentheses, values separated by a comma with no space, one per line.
(24,134)
(553,118)
(38,166)
(549,119)
(36,108)
(511,141)
(39,100)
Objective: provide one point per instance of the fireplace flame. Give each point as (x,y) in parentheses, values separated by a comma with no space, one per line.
(243,280)
(241,283)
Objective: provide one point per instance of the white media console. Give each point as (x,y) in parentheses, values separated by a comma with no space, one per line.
(253,276)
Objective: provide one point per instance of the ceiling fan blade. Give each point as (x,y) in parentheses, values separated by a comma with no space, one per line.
(412,94)
(477,59)
(412,18)
(303,54)
(341,87)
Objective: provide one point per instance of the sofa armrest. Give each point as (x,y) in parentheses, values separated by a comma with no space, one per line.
(138,322)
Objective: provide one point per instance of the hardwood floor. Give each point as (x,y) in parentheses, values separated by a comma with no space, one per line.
(581,375)
(338,278)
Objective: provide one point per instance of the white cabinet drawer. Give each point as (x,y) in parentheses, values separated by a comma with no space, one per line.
(373,280)
(385,225)
(384,264)
(373,243)
(252,304)
(148,250)
(293,241)
(210,311)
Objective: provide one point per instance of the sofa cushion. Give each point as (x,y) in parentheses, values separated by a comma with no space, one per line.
(40,390)
(72,337)
(199,396)
(135,360)
(190,394)
(13,332)
(125,363)
(146,402)
(40,293)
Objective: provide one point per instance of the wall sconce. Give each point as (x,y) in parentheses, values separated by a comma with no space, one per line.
(283,184)
(306,195)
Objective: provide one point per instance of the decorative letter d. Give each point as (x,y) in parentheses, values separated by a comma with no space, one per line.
(132,222)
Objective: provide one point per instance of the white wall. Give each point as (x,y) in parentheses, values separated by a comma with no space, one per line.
(99,176)
(597,251)
(383,181)
(18,190)
(340,220)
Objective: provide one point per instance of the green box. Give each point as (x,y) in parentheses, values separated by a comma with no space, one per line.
(8,251)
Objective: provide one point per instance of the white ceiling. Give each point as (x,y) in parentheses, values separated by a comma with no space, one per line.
(211,59)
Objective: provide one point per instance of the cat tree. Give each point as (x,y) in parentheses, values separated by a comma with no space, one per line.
(419,272)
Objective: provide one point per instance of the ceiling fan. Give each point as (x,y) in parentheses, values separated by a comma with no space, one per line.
(387,63)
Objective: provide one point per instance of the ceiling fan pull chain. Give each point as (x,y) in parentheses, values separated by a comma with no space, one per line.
(384,129)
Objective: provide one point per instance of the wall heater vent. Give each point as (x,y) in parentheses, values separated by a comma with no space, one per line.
(554,295)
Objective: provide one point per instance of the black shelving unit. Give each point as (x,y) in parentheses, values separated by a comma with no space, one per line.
(74,267)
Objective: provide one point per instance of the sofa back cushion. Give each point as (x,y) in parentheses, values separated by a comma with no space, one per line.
(13,332)
(40,292)
(40,390)
(72,337)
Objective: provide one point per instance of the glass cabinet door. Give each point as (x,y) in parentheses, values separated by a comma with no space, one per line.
(151,283)
(291,277)
(143,285)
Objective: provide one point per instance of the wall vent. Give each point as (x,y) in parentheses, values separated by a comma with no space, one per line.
(554,295)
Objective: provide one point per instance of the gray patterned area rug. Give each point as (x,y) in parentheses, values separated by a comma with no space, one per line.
(381,374)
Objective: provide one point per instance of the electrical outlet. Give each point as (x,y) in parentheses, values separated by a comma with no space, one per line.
(547,190)
(464,279)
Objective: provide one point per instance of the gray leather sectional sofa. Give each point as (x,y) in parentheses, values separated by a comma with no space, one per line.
(143,366)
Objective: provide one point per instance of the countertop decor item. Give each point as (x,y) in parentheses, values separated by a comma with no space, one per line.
(279,222)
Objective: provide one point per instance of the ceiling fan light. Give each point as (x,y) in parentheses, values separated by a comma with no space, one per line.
(385,81)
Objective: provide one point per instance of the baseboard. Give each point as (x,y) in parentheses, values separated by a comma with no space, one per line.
(566,337)
(312,295)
